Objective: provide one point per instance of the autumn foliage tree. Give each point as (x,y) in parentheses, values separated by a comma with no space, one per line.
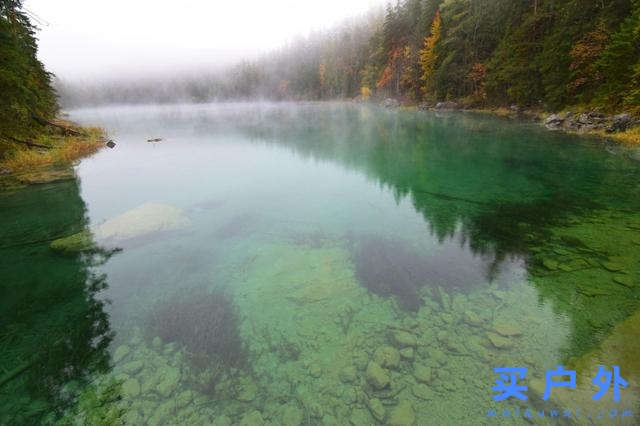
(429,56)
(584,54)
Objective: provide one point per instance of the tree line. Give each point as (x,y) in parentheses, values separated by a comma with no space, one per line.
(27,98)
(534,53)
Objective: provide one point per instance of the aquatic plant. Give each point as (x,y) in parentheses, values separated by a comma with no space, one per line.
(204,323)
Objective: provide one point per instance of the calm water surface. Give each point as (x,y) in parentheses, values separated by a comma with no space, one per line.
(320,264)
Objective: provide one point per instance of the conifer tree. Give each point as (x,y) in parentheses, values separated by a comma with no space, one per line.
(26,92)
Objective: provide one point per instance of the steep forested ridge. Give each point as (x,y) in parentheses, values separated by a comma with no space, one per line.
(26,93)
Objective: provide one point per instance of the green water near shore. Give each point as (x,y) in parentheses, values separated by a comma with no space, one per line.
(317,264)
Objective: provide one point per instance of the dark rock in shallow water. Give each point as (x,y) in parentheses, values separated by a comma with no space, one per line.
(390,103)
(620,123)
(554,121)
(446,105)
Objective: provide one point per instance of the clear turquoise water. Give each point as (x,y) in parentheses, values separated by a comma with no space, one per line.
(329,264)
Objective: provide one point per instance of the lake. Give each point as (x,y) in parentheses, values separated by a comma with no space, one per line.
(321,264)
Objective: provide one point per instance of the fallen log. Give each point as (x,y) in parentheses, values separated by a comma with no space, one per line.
(66,129)
(27,143)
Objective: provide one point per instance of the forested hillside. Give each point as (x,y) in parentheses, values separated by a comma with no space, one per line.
(26,94)
(539,54)
(534,53)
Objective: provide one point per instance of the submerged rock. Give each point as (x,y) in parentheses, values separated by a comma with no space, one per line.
(222,421)
(422,373)
(121,352)
(248,391)
(422,391)
(377,376)
(376,408)
(402,415)
(292,416)
(170,379)
(359,416)
(348,374)
(253,418)
(132,367)
(403,339)
(387,357)
(315,370)
(507,330)
(74,243)
(499,341)
(472,318)
(407,353)
(141,222)
(131,388)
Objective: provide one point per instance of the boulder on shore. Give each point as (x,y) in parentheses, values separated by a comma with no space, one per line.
(391,103)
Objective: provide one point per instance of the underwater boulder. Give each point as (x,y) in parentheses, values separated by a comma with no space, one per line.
(144,221)
(377,376)
(403,415)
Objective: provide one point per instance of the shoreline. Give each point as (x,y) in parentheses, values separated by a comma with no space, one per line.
(623,128)
(51,156)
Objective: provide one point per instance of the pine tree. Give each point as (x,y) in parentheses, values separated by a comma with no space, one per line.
(27,94)
(619,60)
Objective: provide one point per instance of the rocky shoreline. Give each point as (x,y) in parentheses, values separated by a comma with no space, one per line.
(593,122)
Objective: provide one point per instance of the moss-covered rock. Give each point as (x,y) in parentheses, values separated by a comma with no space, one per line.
(292,415)
(422,373)
(80,241)
(402,415)
(376,408)
(253,418)
(348,374)
(387,357)
(403,339)
(377,376)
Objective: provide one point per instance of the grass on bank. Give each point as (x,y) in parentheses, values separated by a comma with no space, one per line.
(630,136)
(65,149)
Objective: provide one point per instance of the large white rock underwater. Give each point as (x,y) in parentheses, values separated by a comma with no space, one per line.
(141,222)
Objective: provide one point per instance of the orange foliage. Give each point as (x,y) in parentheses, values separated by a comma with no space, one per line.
(584,54)
(390,70)
(477,78)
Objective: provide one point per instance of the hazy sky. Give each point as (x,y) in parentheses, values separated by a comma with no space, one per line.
(86,39)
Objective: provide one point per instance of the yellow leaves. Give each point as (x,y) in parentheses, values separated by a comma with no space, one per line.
(428,55)
(365,93)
